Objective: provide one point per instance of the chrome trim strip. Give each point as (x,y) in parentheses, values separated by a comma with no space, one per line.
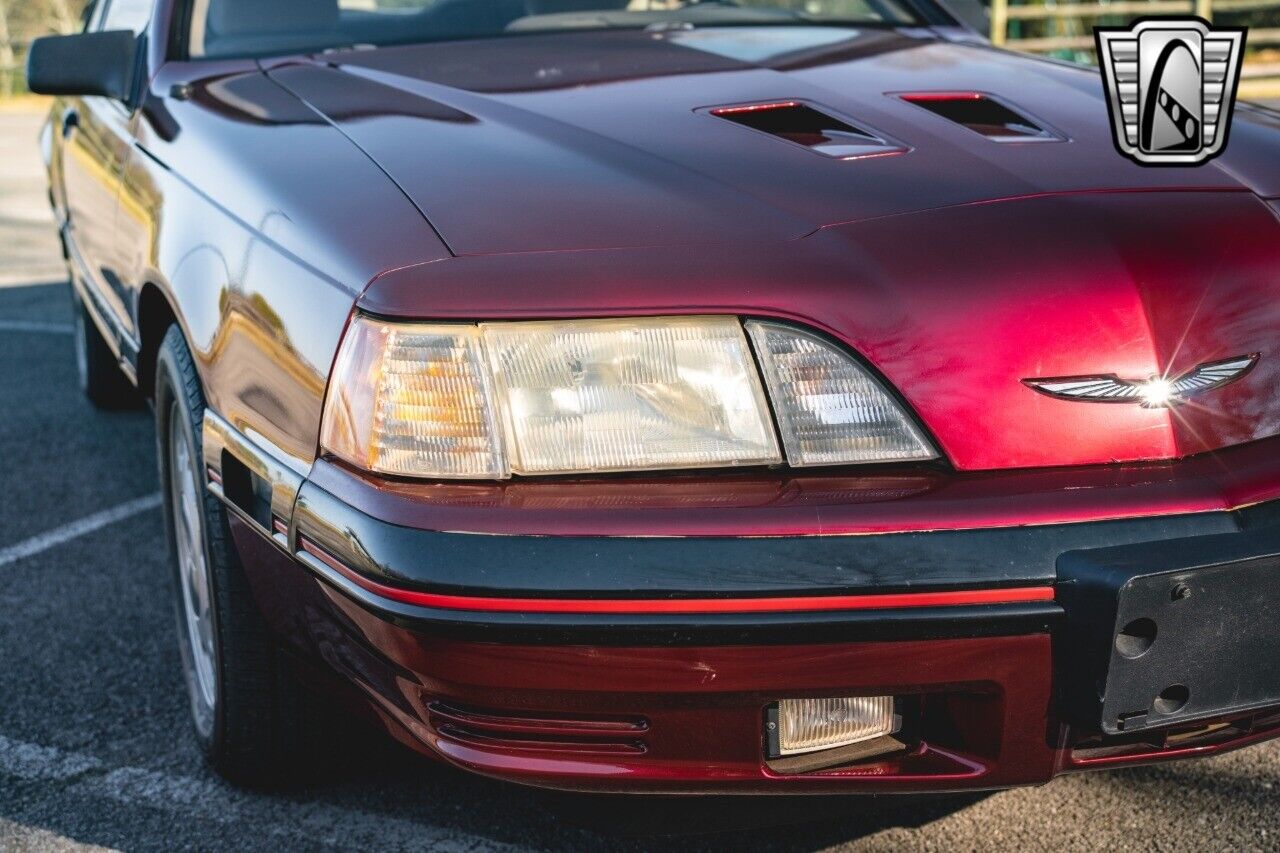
(113,330)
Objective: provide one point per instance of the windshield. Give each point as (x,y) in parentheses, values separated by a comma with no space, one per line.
(224,28)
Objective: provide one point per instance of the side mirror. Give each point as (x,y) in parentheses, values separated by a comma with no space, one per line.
(88,64)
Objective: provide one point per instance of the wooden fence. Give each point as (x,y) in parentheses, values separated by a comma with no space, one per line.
(11,80)
(1258,79)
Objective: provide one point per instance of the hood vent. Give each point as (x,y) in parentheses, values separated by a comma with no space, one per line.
(983,114)
(807,126)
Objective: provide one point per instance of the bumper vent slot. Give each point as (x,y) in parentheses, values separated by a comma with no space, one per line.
(984,115)
(541,733)
(809,127)
(247,491)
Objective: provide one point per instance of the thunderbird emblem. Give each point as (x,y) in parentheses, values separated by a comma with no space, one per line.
(1171,86)
(1156,392)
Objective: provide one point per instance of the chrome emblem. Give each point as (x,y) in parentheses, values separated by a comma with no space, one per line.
(1156,392)
(1171,86)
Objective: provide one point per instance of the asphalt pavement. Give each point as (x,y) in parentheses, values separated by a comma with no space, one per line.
(94,743)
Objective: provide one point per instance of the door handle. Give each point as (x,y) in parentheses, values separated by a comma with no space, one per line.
(70,121)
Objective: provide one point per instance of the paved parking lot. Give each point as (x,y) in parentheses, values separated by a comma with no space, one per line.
(94,749)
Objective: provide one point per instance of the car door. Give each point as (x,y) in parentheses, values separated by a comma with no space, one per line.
(97,144)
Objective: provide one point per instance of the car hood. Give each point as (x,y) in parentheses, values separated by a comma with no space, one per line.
(596,140)
(959,307)
(581,175)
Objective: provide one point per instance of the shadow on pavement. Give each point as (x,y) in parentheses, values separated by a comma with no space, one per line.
(755,822)
(386,773)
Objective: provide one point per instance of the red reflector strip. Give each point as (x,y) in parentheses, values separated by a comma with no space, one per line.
(793,604)
(916,97)
(754,108)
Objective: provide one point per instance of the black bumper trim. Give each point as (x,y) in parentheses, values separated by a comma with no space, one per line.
(620,568)
(932,623)
(480,565)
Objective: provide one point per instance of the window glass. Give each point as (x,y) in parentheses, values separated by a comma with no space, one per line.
(266,27)
(92,16)
(383,5)
(127,15)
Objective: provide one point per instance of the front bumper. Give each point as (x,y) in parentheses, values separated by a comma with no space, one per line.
(619,662)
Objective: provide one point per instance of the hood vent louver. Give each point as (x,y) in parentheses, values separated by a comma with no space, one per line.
(802,124)
(984,115)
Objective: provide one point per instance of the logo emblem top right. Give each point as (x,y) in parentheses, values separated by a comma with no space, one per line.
(1171,86)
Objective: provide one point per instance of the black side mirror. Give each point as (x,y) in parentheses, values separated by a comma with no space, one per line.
(88,64)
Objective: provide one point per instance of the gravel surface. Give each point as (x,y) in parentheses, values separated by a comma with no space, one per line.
(94,746)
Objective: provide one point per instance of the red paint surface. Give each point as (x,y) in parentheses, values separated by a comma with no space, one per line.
(697,710)
(958,269)
(955,323)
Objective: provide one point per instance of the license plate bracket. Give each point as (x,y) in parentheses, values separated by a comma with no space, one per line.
(1162,634)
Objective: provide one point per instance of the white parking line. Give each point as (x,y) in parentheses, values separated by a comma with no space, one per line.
(202,799)
(74,529)
(17,836)
(36,328)
(46,277)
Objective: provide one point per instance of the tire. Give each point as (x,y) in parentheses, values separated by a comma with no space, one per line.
(247,709)
(97,369)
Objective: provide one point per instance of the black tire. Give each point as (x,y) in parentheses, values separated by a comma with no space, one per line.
(97,370)
(258,728)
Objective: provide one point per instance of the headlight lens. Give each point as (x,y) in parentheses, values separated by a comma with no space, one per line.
(585,396)
(619,395)
(830,409)
(547,397)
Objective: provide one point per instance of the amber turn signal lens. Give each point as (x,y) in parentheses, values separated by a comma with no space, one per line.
(414,400)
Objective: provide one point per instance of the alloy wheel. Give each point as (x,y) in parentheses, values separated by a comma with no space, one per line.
(193,565)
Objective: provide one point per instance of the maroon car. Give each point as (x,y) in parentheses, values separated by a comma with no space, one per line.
(669,396)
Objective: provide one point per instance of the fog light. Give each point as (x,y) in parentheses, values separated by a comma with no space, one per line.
(808,725)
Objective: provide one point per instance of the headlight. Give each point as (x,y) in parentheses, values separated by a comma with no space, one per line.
(547,398)
(618,395)
(491,400)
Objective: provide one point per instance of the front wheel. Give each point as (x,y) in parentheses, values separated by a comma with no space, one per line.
(249,717)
